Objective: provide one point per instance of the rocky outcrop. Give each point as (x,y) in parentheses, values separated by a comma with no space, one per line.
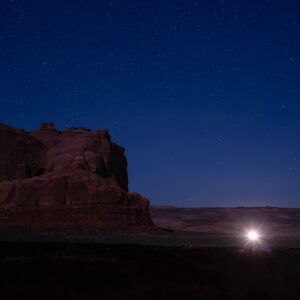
(73,179)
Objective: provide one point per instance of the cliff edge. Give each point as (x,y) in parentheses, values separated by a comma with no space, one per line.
(74,179)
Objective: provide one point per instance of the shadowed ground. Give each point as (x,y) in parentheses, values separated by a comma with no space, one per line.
(170,266)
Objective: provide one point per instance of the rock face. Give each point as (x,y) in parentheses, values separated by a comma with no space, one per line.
(74,179)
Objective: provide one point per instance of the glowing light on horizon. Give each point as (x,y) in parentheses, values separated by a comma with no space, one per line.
(253,235)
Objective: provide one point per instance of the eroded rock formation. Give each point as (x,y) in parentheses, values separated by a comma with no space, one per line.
(73,179)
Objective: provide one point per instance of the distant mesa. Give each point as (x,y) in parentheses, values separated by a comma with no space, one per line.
(49,125)
(74,179)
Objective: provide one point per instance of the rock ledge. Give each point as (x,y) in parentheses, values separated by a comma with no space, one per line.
(73,179)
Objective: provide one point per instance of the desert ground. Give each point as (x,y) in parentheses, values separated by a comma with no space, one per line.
(273,221)
(171,265)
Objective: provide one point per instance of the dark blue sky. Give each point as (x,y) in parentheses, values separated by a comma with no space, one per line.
(204,95)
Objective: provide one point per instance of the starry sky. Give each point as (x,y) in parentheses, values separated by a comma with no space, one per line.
(204,95)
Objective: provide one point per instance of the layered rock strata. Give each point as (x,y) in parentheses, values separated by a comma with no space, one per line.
(74,179)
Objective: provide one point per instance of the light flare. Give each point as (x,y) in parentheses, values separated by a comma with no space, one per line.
(253,235)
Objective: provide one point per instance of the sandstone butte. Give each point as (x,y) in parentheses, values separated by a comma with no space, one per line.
(74,179)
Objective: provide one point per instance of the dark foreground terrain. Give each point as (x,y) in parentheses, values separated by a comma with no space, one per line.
(106,269)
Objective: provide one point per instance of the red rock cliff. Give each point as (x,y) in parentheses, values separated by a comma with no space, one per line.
(73,179)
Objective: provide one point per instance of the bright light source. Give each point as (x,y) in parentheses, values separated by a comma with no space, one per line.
(252,236)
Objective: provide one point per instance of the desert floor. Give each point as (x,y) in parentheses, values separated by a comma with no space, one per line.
(174,265)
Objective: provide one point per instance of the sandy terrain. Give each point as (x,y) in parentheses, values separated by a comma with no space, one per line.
(271,220)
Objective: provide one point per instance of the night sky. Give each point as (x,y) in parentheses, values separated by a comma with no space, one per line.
(204,95)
